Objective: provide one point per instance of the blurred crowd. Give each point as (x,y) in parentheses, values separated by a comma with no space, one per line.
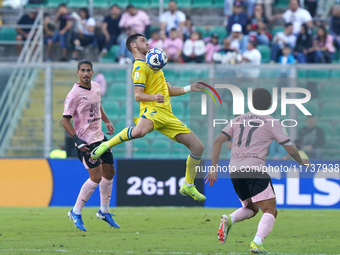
(247,24)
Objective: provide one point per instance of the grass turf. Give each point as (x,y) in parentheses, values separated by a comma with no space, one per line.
(162,230)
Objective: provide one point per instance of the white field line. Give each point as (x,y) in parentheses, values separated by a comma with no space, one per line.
(139,252)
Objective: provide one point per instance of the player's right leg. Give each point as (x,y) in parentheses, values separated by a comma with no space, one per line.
(95,170)
(265,225)
(196,148)
(248,211)
(143,127)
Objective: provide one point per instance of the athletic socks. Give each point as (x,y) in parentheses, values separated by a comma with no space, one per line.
(105,188)
(190,173)
(241,214)
(122,136)
(84,195)
(265,226)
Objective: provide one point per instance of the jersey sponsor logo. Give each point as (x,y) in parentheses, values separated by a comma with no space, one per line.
(92,161)
(66,105)
(85,98)
(136,75)
(284,130)
(137,68)
(98,93)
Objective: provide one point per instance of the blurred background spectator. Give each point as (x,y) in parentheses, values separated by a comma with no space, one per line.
(287,57)
(252,55)
(324,7)
(135,19)
(173,46)
(334,25)
(311,6)
(194,48)
(295,15)
(26,19)
(188,28)
(236,38)
(304,42)
(212,47)
(323,48)
(64,19)
(267,6)
(155,41)
(226,55)
(172,18)
(280,40)
(84,34)
(110,30)
(48,28)
(238,17)
(100,79)
(312,138)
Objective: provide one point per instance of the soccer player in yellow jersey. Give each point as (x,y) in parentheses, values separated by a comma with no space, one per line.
(153,92)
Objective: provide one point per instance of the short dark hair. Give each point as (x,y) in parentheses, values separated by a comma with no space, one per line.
(132,39)
(261,99)
(288,24)
(61,5)
(130,6)
(86,12)
(84,61)
(114,5)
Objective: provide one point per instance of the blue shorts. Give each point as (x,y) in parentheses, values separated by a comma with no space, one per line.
(61,38)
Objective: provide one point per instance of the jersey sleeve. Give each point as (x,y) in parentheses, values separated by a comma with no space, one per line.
(139,76)
(228,131)
(279,133)
(70,106)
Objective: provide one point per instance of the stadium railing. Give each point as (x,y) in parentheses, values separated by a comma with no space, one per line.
(120,90)
(21,81)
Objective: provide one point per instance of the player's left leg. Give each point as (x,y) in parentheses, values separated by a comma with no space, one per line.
(105,188)
(196,148)
(265,225)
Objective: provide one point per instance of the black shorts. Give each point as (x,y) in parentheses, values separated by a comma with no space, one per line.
(249,184)
(88,162)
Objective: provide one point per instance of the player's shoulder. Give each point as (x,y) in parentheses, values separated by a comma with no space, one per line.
(139,65)
(95,84)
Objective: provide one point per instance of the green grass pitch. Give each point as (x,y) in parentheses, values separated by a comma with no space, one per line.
(163,230)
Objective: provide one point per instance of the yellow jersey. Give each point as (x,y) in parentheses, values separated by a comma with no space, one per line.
(153,83)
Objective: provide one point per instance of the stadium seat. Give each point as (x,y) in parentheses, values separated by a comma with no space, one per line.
(218,3)
(120,74)
(55,3)
(312,107)
(220,30)
(120,3)
(154,3)
(202,3)
(265,53)
(330,111)
(337,131)
(38,5)
(170,75)
(111,109)
(331,92)
(100,4)
(318,73)
(7,34)
(222,111)
(141,148)
(195,126)
(178,109)
(277,29)
(186,75)
(117,92)
(160,149)
(111,55)
(335,74)
(183,3)
(302,73)
(327,129)
(119,125)
(140,4)
(77,3)
(153,29)
(202,30)
(332,149)
(281,3)
(179,151)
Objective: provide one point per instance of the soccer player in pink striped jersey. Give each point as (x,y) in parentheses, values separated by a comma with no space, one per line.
(252,134)
(83,104)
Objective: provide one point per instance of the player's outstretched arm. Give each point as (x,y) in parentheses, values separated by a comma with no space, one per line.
(294,153)
(107,122)
(211,177)
(81,144)
(140,96)
(195,87)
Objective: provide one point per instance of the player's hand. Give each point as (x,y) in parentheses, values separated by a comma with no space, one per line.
(306,163)
(111,128)
(198,86)
(159,98)
(80,144)
(211,177)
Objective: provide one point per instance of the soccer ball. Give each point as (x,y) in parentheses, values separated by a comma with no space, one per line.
(156,58)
